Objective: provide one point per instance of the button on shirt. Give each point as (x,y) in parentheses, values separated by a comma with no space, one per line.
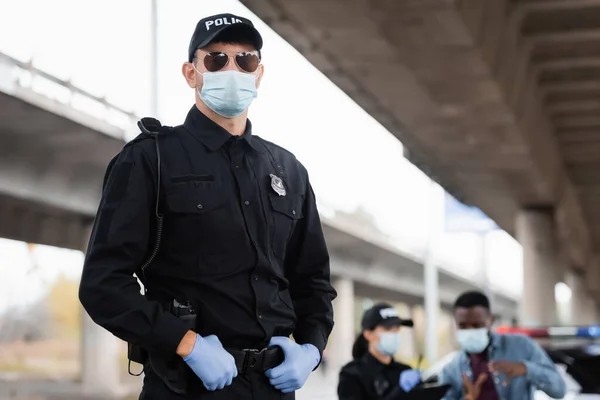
(252,262)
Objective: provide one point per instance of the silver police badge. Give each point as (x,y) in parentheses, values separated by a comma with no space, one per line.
(277,185)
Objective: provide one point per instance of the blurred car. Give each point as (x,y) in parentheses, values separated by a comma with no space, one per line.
(574,350)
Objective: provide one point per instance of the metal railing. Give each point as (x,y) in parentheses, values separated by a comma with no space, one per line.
(25,75)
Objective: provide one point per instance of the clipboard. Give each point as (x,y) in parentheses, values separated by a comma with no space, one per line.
(428,391)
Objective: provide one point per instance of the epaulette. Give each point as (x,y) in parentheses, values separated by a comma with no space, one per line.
(139,138)
(149,127)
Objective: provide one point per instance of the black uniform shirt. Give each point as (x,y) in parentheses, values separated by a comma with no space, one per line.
(369,379)
(253,263)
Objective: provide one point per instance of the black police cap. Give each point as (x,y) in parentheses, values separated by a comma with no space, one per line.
(209,28)
(383,314)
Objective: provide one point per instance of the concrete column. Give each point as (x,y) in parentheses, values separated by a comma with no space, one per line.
(101,367)
(483,278)
(100,362)
(432,311)
(452,344)
(408,352)
(447,333)
(536,232)
(431,273)
(594,311)
(592,277)
(339,351)
(420,326)
(582,306)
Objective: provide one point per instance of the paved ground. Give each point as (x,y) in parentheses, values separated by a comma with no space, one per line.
(318,387)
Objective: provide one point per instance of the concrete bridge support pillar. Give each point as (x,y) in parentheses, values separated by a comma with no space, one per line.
(592,281)
(100,361)
(342,337)
(582,310)
(535,231)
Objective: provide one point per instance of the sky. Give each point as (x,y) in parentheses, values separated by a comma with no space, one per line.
(353,162)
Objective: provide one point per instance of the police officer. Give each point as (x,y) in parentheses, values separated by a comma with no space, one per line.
(235,239)
(373,374)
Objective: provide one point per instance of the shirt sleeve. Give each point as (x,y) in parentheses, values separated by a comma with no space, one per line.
(120,242)
(397,393)
(307,266)
(542,372)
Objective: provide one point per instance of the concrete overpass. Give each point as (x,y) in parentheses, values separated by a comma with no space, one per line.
(52,161)
(497,100)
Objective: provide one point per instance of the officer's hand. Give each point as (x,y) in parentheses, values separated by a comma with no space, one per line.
(211,363)
(299,362)
(409,379)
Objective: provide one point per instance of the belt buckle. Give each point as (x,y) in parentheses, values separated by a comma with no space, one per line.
(251,357)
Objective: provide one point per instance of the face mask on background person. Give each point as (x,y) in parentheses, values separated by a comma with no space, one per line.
(228,93)
(389,343)
(473,340)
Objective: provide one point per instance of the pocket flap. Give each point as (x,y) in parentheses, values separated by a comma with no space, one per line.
(289,205)
(193,178)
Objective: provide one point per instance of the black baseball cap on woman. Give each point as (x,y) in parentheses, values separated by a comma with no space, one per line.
(208,29)
(383,314)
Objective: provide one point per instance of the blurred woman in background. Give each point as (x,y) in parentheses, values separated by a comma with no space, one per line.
(373,374)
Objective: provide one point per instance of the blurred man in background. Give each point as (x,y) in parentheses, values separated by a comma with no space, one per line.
(495,367)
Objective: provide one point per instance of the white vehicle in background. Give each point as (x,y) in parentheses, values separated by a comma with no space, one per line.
(574,350)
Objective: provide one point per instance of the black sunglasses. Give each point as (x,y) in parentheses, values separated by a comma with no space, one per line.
(247,61)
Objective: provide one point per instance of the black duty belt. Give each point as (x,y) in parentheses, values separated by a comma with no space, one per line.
(252,360)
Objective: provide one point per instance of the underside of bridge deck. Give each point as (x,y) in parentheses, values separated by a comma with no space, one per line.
(496,100)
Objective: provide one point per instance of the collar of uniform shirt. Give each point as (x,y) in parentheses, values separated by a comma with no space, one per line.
(213,135)
(375,363)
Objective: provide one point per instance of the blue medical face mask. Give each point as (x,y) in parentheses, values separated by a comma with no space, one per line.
(473,340)
(228,93)
(389,343)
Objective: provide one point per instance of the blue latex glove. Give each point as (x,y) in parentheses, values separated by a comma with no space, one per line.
(299,362)
(409,379)
(211,363)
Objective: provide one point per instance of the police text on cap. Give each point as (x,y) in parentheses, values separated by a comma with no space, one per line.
(221,21)
(388,313)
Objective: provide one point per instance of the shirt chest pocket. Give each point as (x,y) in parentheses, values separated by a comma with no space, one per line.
(201,217)
(286,212)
